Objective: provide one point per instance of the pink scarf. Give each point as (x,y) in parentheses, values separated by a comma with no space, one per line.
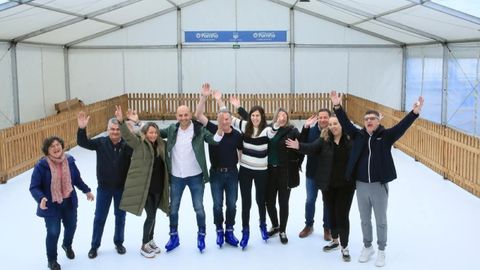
(61,184)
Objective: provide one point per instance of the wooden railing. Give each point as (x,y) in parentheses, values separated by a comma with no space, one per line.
(450,153)
(20,146)
(164,106)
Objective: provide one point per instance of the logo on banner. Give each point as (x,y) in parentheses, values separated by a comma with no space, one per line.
(207,35)
(235,36)
(264,35)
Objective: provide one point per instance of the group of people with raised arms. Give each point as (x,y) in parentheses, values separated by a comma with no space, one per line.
(139,170)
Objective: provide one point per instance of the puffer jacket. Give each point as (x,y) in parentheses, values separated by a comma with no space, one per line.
(40,186)
(139,174)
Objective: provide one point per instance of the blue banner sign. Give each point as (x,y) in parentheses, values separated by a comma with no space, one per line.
(235,36)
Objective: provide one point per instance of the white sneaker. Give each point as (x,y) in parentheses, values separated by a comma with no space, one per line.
(147,251)
(154,246)
(366,254)
(345,254)
(380,258)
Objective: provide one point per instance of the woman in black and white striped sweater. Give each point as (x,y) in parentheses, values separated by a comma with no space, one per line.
(253,164)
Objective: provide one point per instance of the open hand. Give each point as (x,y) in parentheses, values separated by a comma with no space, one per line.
(82,119)
(294,144)
(336,98)
(234,101)
(417,106)
(119,113)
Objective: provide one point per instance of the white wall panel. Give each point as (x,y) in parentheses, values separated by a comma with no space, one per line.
(159,31)
(151,71)
(376,74)
(96,74)
(209,15)
(320,70)
(216,66)
(263,70)
(262,15)
(41,81)
(312,30)
(135,11)
(6,94)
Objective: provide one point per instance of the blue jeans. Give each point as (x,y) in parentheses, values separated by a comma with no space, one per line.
(312,193)
(196,186)
(104,199)
(224,182)
(67,215)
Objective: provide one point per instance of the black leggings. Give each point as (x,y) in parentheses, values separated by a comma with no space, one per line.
(246,177)
(339,201)
(278,183)
(151,206)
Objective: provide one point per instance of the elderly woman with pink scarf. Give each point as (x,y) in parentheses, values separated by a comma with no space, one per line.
(53,179)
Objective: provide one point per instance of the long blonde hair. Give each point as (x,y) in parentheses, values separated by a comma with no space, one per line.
(159,141)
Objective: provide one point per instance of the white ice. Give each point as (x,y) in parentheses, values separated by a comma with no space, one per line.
(432,224)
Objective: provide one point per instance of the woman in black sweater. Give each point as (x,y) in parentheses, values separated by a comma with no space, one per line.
(333,148)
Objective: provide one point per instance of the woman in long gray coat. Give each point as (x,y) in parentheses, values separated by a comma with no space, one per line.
(147,184)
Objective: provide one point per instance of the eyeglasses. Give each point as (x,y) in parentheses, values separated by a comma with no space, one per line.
(371,118)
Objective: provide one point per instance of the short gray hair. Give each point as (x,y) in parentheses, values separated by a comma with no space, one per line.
(113,121)
(224,110)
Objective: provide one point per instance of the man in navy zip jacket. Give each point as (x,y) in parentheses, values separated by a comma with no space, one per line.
(113,161)
(371,166)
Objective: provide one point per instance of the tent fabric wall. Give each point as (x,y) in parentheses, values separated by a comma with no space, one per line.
(96,74)
(214,65)
(376,75)
(6,97)
(263,70)
(41,81)
(311,30)
(158,31)
(150,71)
(326,49)
(321,69)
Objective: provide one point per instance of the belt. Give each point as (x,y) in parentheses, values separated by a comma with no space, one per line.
(224,170)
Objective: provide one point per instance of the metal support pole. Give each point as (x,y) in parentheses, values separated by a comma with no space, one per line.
(404,79)
(66,65)
(292,51)
(444,84)
(16,98)
(179,51)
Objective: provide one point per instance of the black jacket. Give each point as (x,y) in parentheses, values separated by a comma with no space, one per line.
(382,168)
(113,161)
(323,152)
(289,158)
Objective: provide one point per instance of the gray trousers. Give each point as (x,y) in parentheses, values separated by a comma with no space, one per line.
(373,195)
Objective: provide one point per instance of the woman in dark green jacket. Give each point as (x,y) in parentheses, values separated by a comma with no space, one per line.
(147,184)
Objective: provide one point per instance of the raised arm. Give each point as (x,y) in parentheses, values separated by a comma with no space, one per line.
(132,140)
(347,126)
(240,110)
(199,112)
(397,131)
(213,138)
(303,137)
(217,95)
(82,139)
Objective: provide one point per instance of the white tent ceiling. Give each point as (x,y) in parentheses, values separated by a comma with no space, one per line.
(69,22)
